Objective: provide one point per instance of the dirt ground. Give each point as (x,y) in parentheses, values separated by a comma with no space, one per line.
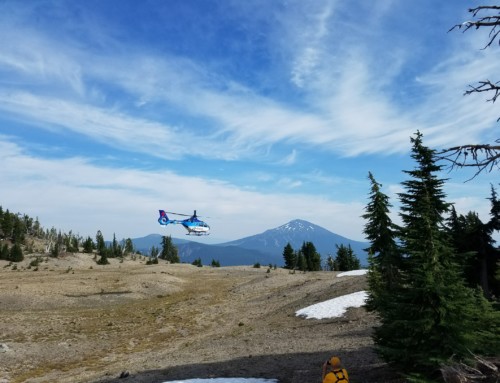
(71,320)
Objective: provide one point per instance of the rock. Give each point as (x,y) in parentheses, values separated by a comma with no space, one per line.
(124,374)
(4,348)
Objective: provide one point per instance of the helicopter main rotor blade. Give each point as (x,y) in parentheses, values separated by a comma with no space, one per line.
(184,215)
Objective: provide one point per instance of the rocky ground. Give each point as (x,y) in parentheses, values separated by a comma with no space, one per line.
(71,320)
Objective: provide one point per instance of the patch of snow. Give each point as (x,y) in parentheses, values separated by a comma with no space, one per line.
(352,272)
(335,307)
(225,380)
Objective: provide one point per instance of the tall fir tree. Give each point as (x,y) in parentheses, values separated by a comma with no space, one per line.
(16,253)
(384,259)
(100,244)
(431,315)
(88,245)
(311,256)
(128,246)
(493,225)
(169,250)
(290,257)
(345,259)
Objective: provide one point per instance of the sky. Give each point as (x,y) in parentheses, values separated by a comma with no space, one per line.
(253,113)
(331,308)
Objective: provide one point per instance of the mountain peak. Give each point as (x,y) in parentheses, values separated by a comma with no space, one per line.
(296,225)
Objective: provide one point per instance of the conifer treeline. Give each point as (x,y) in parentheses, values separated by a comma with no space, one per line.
(429,278)
(308,259)
(15,229)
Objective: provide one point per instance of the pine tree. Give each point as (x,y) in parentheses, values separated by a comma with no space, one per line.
(16,253)
(197,262)
(129,246)
(430,316)
(290,257)
(154,252)
(384,258)
(345,259)
(7,224)
(100,244)
(169,250)
(88,245)
(311,256)
(475,245)
(116,249)
(4,252)
(18,230)
(491,226)
(301,262)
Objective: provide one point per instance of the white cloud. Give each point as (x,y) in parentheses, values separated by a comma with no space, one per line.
(290,159)
(74,194)
(350,110)
(310,50)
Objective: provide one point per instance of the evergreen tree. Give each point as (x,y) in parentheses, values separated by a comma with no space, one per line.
(7,224)
(18,230)
(301,262)
(215,263)
(154,252)
(100,244)
(169,250)
(477,253)
(104,258)
(88,245)
(290,257)
(493,225)
(16,253)
(494,222)
(116,250)
(37,229)
(4,252)
(430,316)
(345,259)
(75,246)
(311,256)
(56,250)
(384,256)
(129,246)
(197,262)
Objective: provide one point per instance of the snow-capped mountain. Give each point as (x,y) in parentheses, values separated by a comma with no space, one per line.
(297,232)
(265,248)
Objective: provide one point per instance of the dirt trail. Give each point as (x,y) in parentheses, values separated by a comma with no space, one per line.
(75,321)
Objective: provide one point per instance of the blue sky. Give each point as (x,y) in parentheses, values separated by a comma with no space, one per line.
(253,113)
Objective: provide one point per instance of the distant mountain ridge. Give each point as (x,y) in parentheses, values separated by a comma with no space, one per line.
(265,248)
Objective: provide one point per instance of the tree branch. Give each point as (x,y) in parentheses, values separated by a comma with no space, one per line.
(492,21)
(482,157)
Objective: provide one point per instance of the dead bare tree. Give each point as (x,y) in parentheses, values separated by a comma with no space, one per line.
(480,156)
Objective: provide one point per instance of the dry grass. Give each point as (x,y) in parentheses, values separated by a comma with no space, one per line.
(75,321)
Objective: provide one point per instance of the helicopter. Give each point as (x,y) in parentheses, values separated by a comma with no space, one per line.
(192,224)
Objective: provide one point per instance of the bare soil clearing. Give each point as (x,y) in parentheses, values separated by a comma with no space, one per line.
(71,320)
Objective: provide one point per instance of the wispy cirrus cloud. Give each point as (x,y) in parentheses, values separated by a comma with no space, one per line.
(350,110)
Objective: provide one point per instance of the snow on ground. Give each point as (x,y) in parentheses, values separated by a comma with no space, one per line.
(352,272)
(225,380)
(335,307)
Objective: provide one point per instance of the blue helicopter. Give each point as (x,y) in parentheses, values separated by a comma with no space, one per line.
(192,224)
